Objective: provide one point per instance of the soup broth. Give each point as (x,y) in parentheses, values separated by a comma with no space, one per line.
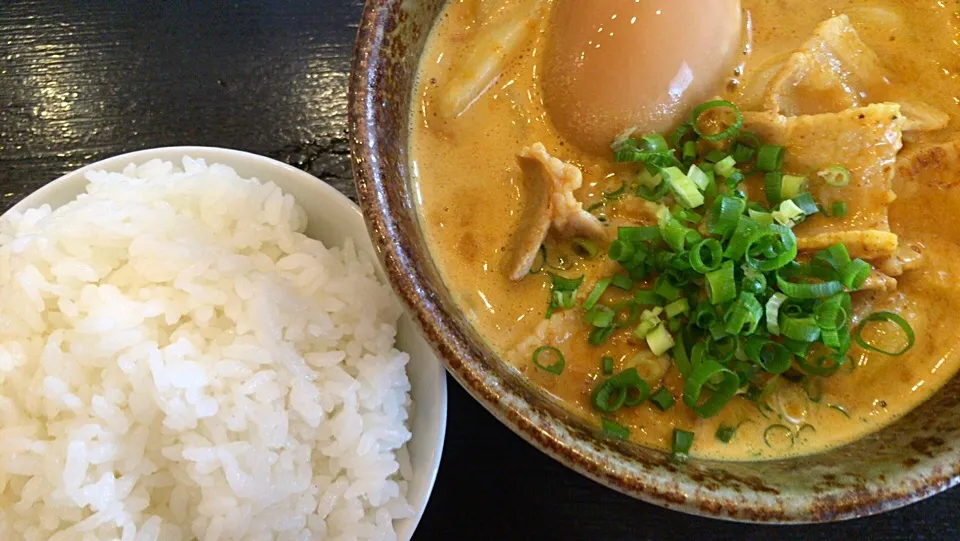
(471,194)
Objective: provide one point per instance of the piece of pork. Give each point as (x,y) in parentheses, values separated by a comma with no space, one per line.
(835,70)
(927,178)
(866,141)
(550,204)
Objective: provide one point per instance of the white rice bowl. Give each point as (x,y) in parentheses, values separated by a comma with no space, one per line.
(178,361)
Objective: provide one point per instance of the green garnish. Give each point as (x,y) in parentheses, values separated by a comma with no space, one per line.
(559,361)
(614,430)
(682,442)
(837,176)
(722,290)
(663,399)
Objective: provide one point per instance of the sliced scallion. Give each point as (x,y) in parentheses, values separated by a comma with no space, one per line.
(837,176)
(881,317)
(770,158)
(682,442)
(559,361)
(731,130)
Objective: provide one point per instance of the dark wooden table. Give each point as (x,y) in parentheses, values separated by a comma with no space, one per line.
(81,81)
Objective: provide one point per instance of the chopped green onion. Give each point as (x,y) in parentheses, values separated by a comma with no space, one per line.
(724,390)
(734,180)
(880,317)
(607,397)
(630,381)
(773,187)
(740,240)
(562,293)
(676,308)
(803,329)
(621,281)
(698,177)
(839,209)
(706,256)
(837,176)
(663,399)
(788,214)
(744,316)
(771,356)
(645,178)
(682,442)
(763,218)
(726,166)
(778,254)
(721,284)
(599,335)
(819,290)
(631,309)
(607,365)
(784,431)
(686,215)
(674,233)
(715,155)
(586,248)
(770,158)
(807,203)
(717,104)
(773,312)
(637,235)
(621,250)
(792,186)
(724,215)
(654,143)
(594,297)
(665,289)
(659,340)
(725,433)
(753,281)
(854,274)
(704,316)
(652,194)
(558,365)
(743,153)
(600,316)
(683,188)
(682,131)
(614,430)
(840,255)
(830,314)
(824,366)
(645,297)
(614,393)
(617,192)
(689,151)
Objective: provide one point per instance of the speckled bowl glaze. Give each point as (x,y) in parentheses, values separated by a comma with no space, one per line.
(914,458)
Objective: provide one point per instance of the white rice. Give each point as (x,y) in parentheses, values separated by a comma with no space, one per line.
(178,361)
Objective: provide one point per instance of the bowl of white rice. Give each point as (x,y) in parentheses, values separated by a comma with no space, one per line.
(199,343)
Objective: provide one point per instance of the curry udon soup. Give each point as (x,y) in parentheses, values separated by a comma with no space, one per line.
(760,262)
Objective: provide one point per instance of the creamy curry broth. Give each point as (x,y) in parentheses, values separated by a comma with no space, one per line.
(470,191)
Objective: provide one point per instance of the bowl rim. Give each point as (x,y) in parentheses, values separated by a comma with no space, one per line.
(236,159)
(608,465)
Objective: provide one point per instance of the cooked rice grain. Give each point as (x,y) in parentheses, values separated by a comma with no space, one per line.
(178,361)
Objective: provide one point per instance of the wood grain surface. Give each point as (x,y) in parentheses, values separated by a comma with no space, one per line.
(81,81)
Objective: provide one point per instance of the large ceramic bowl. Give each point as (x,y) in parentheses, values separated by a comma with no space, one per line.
(912,459)
(332,219)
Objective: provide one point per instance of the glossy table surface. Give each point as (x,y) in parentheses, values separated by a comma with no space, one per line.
(81,81)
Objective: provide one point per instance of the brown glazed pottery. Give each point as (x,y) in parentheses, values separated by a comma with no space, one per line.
(914,458)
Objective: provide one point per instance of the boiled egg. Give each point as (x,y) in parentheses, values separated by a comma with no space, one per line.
(612,65)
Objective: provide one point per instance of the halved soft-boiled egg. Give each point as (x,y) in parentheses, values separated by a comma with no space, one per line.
(611,65)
